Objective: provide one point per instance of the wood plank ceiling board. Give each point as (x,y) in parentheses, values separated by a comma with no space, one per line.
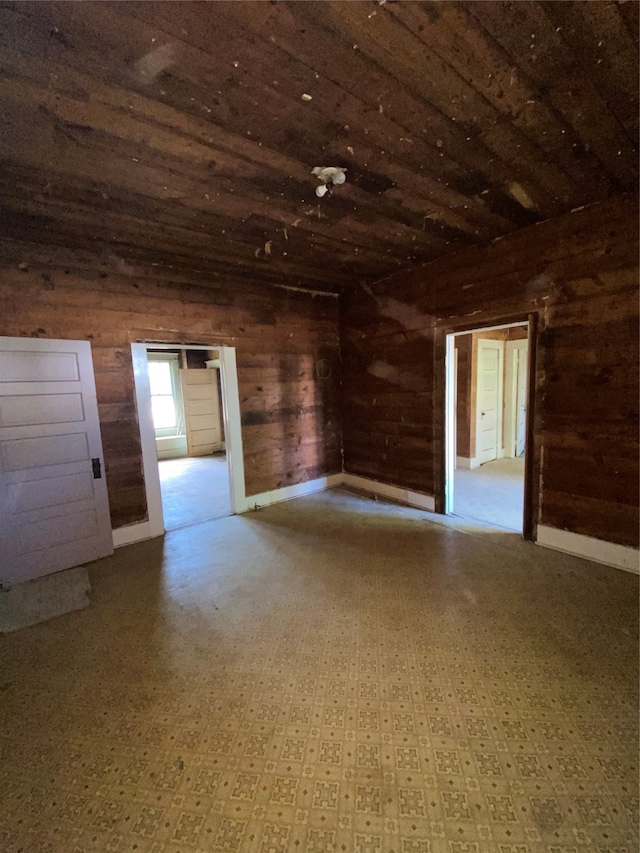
(177,133)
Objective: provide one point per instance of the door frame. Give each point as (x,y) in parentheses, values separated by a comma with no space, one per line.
(511,396)
(231,418)
(444,343)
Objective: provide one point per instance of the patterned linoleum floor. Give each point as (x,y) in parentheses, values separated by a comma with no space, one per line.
(329,674)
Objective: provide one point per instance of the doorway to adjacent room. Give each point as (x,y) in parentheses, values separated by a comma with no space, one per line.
(186,403)
(189,415)
(487,409)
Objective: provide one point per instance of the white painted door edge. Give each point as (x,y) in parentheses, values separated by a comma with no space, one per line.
(450,367)
(232,426)
(597,550)
(155,525)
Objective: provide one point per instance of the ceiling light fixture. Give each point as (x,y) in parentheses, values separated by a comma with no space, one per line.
(330,176)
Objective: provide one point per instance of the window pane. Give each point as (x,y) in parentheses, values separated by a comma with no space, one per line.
(164,412)
(160,377)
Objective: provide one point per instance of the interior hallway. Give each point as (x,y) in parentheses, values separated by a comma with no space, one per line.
(493,493)
(328,674)
(194,489)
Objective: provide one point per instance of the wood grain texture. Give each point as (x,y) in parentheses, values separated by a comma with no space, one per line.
(175,133)
(579,274)
(155,184)
(290,417)
(465,398)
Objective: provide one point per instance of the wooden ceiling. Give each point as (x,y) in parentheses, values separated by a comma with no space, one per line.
(177,133)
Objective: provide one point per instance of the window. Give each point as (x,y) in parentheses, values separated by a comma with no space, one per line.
(166,401)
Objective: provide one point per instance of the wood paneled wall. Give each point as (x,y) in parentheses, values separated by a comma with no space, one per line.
(290,417)
(579,274)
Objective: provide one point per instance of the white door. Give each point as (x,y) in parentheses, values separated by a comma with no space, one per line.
(521,400)
(515,403)
(201,410)
(54,511)
(489,400)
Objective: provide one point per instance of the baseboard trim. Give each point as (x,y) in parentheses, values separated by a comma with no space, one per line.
(143,530)
(395,493)
(466,462)
(597,550)
(287,493)
(132,533)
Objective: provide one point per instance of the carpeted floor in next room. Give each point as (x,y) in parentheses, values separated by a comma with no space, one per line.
(492,493)
(194,489)
(327,674)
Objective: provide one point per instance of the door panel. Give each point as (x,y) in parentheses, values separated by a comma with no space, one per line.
(42,534)
(21,454)
(30,366)
(51,408)
(37,494)
(201,410)
(489,399)
(54,511)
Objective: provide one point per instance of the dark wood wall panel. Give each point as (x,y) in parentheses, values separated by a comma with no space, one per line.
(465,404)
(291,419)
(579,274)
(387,393)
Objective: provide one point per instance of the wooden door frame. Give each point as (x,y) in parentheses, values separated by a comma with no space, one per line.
(231,419)
(443,352)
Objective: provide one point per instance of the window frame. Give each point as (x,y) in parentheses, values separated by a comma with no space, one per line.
(172,359)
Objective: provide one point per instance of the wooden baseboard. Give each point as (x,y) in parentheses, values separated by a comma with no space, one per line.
(466,462)
(287,493)
(133,533)
(395,493)
(597,550)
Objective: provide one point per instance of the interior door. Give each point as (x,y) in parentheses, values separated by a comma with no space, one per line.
(489,399)
(54,510)
(201,410)
(521,400)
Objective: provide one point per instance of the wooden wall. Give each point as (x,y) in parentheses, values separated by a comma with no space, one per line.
(579,274)
(290,418)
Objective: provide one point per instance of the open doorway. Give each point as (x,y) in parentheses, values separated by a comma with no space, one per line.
(189,414)
(487,403)
(186,404)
